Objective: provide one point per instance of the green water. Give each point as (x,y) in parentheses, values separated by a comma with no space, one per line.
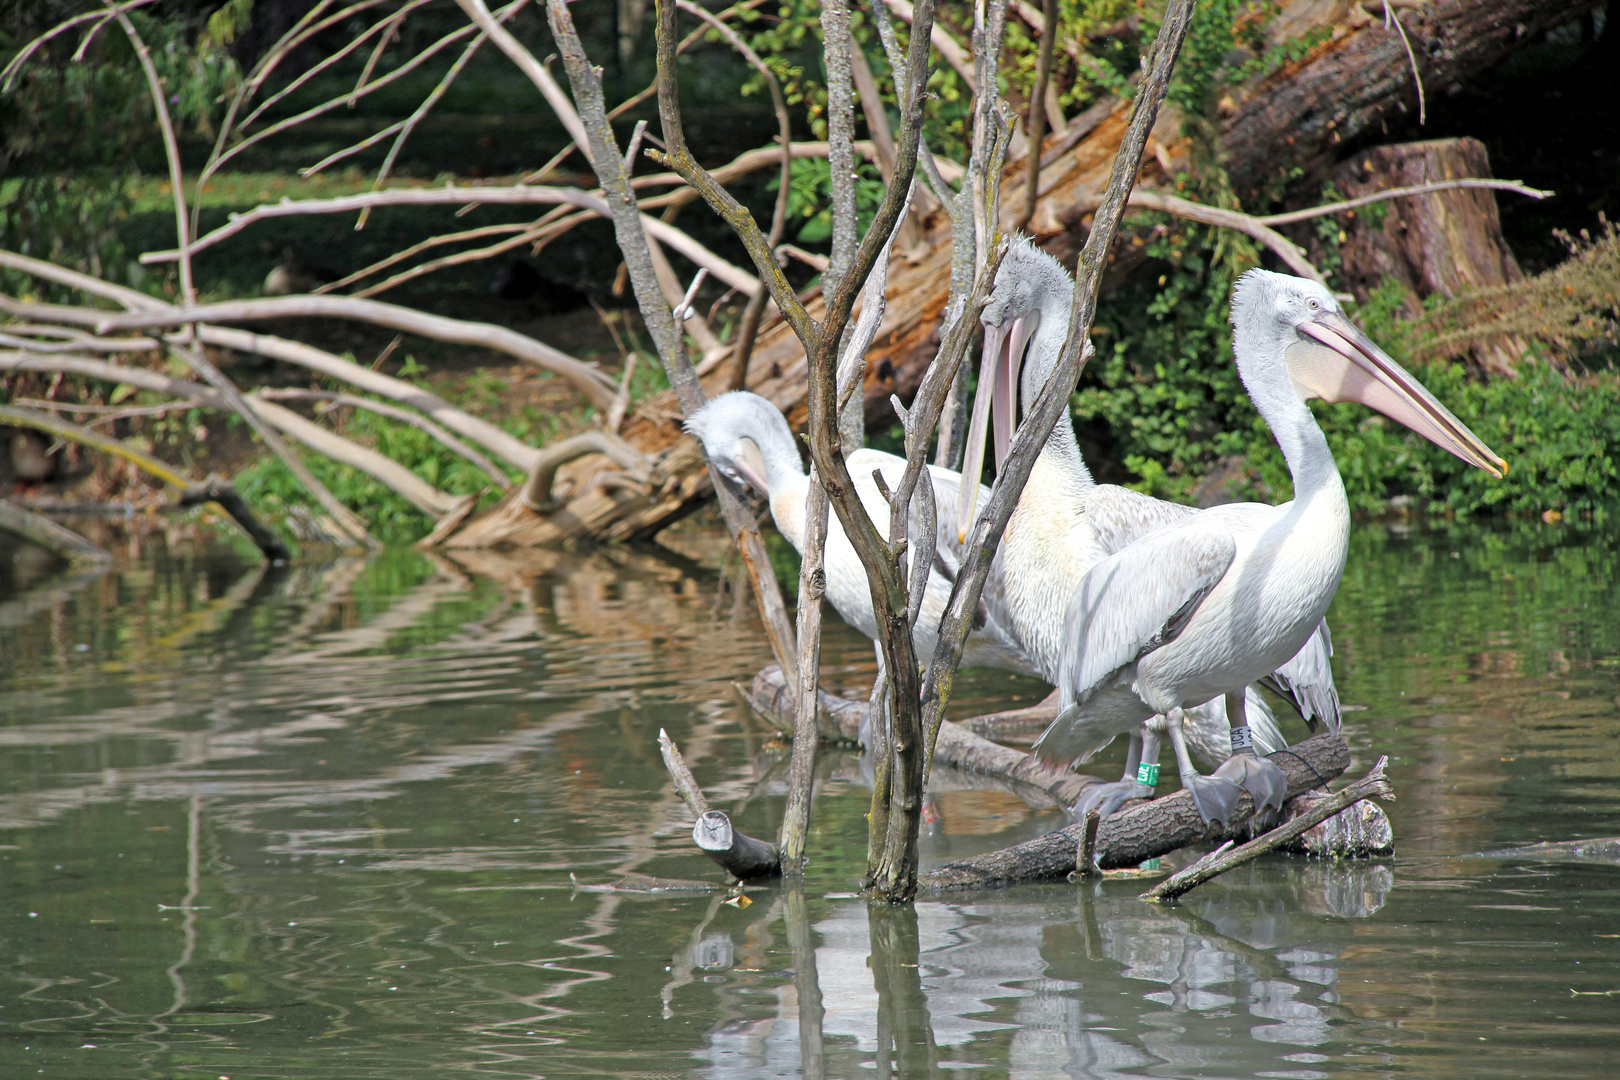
(351,820)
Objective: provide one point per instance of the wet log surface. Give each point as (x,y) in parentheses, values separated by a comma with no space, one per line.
(1305,115)
(1036,782)
(1139,832)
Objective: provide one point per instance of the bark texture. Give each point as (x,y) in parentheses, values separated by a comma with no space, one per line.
(1444,244)
(1144,831)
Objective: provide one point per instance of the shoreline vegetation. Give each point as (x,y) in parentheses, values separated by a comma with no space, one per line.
(1158,409)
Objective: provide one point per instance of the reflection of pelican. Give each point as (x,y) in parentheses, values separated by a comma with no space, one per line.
(1065,523)
(750,442)
(1206,605)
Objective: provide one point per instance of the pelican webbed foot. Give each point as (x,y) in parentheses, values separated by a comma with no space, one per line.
(1264,780)
(1215,796)
(1108,798)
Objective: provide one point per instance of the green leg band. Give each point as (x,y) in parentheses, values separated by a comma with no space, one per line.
(1148,774)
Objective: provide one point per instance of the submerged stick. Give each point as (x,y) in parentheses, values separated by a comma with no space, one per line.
(1225,857)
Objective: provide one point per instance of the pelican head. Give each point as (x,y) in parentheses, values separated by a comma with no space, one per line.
(1031,294)
(1296,324)
(748,440)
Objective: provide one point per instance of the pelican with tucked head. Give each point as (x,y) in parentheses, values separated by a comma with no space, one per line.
(749,441)
(1202,607)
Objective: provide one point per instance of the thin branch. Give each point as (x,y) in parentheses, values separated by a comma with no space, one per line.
(536,71)
(171,151)
(1052,401)
(45,533)
(536,490)
(630,230)
(734,277)
(597,388)
(1036,125)
(1430,188)
(948,47)
(485,434)
(1224,858)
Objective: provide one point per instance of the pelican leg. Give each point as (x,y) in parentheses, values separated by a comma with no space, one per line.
(1140,779)
(1260,777)
(1214,796)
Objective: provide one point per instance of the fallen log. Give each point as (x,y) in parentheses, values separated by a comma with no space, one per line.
(1304,116)
(1033,780)
(1137,833)
(1226,857)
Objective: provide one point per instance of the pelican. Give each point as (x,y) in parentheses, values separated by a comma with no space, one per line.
(1202,607)
(749,441)
(1065,523)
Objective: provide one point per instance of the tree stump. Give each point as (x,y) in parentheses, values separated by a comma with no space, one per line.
(1448,243)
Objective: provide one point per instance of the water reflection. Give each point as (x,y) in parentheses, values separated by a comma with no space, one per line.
(1081,982)
(358,819)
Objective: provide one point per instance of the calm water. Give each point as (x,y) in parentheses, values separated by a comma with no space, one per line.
(354,820)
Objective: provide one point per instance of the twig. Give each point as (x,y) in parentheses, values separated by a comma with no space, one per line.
(940,38)
(1516,186)
(1390,18)
(536,72)
(1224,858)
(734,277)
(686,786)
(1052,401)
(630,230)
(171,151)
(1036,125)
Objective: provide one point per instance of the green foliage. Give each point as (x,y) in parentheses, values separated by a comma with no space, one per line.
(1103,68)
(269,485)
(810,197)
(75,135)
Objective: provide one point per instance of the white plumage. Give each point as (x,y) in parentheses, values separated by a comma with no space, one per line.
(1229,595)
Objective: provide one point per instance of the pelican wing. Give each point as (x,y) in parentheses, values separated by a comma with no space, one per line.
(1119,517)
(1307,680)
(1138,600)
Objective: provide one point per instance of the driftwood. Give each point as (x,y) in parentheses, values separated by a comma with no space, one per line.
(45,533)
(1140,832)
(209,491)
(1226,857)
(743,857)
(1295,117)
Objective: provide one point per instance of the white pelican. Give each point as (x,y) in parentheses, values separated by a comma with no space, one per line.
(749,442)
(1065,523)
(1204,606)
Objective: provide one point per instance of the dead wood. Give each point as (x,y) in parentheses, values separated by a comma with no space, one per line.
(1226,857)
(266,540)
(1359,831)
(45,533)
(1445,244)
(744,857)
(1302,115)
(840,719)
(1144,831)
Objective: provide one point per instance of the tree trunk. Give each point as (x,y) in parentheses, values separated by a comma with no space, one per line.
(1306,116)
(1448,243)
